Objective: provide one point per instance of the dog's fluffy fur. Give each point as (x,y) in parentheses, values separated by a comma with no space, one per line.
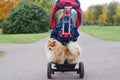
(58,53)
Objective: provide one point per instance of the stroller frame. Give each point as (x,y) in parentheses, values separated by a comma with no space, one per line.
(54,67)
(66,67)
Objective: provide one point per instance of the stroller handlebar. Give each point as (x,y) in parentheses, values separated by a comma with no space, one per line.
(62,7)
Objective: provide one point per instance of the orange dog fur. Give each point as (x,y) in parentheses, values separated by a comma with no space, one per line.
(58,53)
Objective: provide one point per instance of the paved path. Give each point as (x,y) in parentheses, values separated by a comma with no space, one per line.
(28,61)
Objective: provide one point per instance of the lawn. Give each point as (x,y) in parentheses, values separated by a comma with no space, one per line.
(2,53)
(22,38)
(111,33)
(106,33)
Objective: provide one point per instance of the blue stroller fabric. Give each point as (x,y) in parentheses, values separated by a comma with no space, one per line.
(55,34)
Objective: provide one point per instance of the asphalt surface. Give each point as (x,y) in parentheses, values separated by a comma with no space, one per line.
(28,61)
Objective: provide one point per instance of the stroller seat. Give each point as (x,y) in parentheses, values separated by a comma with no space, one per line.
(65,30)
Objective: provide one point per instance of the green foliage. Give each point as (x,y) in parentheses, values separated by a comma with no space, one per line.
(2,53)
(116,17)
(97,11)
(107,33)
(103,18)
(1,22)
(86,18)
(111,11)
(22,38)
(46,4)
(26,17)
(106,14)
(89,17)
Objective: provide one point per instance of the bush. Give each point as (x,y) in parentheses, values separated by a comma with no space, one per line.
(26,17)
(1,22)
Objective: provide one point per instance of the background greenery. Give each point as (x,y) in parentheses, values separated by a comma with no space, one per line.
(2,53)
(46,4)
(106,33)
(26,17)
(30,15)
(22,38)
(106,14)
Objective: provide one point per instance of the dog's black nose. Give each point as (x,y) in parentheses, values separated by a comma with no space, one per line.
(50,48)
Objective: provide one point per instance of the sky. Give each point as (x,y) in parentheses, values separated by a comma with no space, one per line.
(86,3)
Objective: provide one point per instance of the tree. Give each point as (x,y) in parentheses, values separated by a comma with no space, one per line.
(97,11)
(103,14)
(6,6)
(26,17)
(46,4)
(86,17)
(111,11)
(89,17)
(116,17)
(103,18)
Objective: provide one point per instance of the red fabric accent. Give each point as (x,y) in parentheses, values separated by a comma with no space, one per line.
(67,12)
(53,21)
(79,19)
(68,3)
(65,35)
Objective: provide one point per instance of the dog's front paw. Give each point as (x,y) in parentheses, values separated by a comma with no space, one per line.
(60,62)
(72,61)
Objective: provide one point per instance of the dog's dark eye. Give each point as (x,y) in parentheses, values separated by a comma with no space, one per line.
(52,46)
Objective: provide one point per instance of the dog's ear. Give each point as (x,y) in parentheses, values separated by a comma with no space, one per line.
(54,42)
(49,41)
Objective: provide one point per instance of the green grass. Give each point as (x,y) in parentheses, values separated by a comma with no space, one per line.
(111,33)
(106,33)
(22,38)
(2,53)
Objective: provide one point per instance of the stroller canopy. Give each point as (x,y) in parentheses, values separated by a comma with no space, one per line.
(61,4)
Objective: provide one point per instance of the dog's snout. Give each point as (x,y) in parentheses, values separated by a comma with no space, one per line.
(50,48)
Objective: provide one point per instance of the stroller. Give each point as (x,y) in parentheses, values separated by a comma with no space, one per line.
(65,31)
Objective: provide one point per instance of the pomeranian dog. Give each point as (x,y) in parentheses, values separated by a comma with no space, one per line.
(58,53)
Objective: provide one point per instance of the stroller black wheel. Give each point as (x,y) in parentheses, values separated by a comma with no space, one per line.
(49,71)
(81,70)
